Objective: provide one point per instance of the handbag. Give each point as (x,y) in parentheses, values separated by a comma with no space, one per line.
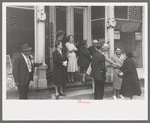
(89,70)
(120,74)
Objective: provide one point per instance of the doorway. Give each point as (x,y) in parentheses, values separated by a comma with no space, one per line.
(78,27)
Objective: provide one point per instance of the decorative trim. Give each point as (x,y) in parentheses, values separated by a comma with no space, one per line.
(98,19)
(18,7)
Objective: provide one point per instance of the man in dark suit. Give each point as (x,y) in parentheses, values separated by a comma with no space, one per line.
(23,70)
(98,72)
(92,49)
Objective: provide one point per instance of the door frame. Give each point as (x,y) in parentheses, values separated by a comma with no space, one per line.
(86,22)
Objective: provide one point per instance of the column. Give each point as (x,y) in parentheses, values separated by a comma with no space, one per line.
(106,38)
(85,25)
(72,21)
(144,40)
(40,46)
(110,35)
(89,25)
(68,21)
(52,28)
(52,32)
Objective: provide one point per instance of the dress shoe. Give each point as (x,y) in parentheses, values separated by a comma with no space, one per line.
(83,82)
(72,81)
(56,96)
(62,94)
(115,98)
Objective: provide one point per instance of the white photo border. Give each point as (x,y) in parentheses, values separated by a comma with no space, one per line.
(44,110)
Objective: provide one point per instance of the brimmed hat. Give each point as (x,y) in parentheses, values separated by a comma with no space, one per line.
(25,47)
(95,42)
(60,32)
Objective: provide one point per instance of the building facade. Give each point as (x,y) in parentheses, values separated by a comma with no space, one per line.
(37,26)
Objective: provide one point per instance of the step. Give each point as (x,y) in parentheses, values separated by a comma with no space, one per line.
(77,86)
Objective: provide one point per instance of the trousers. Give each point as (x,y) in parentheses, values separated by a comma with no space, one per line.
(99,89)
(23,91)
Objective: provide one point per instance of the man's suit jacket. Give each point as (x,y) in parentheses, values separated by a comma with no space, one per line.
(20,71)
(98,66)
(92,50)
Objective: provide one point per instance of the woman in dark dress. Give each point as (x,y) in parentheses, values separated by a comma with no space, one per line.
(84,60)
(60,69)
(130,84)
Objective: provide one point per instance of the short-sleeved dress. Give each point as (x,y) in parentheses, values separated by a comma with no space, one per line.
(117,82)
(72,59)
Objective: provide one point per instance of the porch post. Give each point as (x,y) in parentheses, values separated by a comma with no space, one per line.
(72,21)
(143,35)
(68,22)
(85,25)
(110,34)
(40,46)
(89,26)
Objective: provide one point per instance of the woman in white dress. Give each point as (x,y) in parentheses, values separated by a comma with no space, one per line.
(72,59)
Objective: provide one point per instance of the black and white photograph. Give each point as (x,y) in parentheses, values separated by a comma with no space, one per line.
(77,58)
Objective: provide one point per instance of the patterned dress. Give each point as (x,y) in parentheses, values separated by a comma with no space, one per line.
(72,59)
(117,81)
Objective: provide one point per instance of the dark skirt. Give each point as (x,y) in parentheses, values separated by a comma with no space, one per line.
(61,77)
(83,70)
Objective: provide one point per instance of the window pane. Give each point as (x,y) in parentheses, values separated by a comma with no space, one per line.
(121,12)
(98,12)
(78,24)
(60,18)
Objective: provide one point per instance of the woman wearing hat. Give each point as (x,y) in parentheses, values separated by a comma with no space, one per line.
(118,58)
(130,84)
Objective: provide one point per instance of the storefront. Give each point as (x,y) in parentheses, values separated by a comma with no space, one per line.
(37,26)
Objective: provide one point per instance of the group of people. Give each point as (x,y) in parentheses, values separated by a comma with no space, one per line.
(91,62)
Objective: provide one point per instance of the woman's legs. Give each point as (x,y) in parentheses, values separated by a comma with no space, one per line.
(93,85)
(69,77)
(83,78)
(57,92)
(61,91)
(72,80)
(115,93)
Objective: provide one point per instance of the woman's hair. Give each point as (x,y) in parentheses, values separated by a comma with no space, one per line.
(68,38)
(99,46)
(129,53)
(57,43)
(84,42)
(117,48)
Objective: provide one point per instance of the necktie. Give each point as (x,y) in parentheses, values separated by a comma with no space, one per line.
(29,65)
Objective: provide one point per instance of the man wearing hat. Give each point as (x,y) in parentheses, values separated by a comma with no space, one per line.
(92,49)
(23,70)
